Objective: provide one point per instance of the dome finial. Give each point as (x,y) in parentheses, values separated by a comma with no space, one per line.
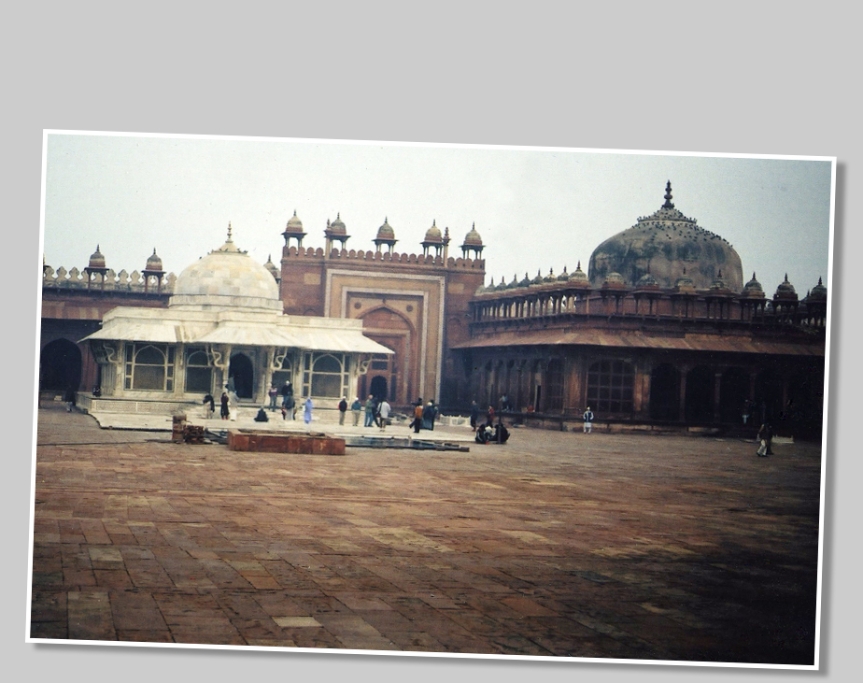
(229,232)
(668,204)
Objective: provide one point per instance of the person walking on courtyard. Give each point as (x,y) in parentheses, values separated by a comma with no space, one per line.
(69,397)
(383,414)
(343,408)
(370,411)
(474,415)
(418,416)
(225,400)
(307,410)
(273,393)
(588,420)
(765,438)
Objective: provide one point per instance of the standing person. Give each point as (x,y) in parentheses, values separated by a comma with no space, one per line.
(273,393)
(429,415)
(489,415)
(69,397)
(356,410)
(474,415)
(418,416)
(307,410)
(588,420)
(234,403)
(383,414)
(225,401)
(210,402)
(343,408)
(287,392)
(765,436)
(370,411)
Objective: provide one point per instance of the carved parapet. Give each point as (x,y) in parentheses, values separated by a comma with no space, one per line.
(360,255)
(108,281)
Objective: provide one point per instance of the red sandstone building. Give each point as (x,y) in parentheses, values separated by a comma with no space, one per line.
(660,332)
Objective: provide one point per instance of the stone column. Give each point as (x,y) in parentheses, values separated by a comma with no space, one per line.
(717,390)
(681,413)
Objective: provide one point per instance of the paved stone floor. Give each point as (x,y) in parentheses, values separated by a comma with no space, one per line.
(557,544)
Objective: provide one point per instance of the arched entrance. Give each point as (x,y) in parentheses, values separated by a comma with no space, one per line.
(665,393)
(396,376)
(699,395)
(60,366)
(242,375)
(378,387)
(768,396)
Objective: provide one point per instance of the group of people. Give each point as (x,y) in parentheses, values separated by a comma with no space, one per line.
(489,432)
(229,401)
(425,415)
(377,412)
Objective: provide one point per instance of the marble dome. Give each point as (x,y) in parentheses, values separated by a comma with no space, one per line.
(226,278)
(667,244)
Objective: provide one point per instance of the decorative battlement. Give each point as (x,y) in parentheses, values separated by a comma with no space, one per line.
(427,260)
(108,281)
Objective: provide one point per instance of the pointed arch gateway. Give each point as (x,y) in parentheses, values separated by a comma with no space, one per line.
(395,376)
(60,365)
(242,373)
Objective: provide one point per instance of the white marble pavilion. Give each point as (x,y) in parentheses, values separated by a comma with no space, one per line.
(224,325)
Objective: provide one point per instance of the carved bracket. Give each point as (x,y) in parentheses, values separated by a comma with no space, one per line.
(278,358)
(106,352)
(217,358)
(363,363)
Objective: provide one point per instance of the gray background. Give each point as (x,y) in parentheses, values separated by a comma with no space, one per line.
(763,78)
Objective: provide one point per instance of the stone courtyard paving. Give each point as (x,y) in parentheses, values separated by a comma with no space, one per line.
(556,544)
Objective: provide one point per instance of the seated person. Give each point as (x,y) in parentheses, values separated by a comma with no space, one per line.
(484,434)
(501,433)
(261,416)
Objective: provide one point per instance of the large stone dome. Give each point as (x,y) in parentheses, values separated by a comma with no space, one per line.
(226,278)
(667,244)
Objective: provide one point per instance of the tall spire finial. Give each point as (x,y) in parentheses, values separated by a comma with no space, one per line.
(229,232)
(668,204)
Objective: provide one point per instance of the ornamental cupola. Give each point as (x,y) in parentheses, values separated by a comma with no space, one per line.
(433,240)
(294,230)
(96,268)
(472,242)
(785,291)
(274,270)
(753,289)
(579,278)
(386,236)
(153,272)
(336,232)
(97,259)
(818,293)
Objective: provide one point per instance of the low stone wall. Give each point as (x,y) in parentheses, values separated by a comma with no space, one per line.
(89,403)
(270,442)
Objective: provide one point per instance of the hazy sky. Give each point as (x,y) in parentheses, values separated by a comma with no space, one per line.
(535,209)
